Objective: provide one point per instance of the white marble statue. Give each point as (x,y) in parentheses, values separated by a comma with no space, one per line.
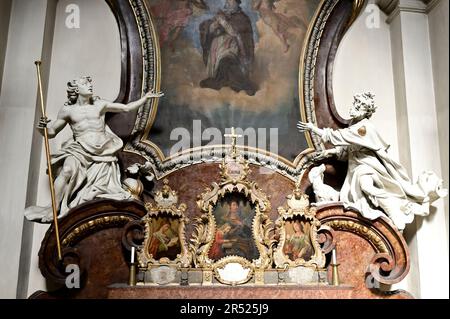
(86,166)
(375,183)
(324,193)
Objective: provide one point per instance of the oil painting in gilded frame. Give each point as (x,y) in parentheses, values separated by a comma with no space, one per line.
(230,63)
(298,243)
(164,238)
(234,217)
(234,234)
(297,228)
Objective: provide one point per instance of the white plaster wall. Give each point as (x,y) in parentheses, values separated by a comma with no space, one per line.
(36,151)
(5,10)
(17,114)
(364,63)
(424,150)
(411,283)
(93,49)
(368,59)
(438,21)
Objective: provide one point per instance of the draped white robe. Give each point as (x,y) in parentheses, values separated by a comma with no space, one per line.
(375,183)
(95,172)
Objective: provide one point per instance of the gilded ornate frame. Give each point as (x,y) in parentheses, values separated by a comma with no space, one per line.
(166,206)
(234,172)
(141,72)
(243,262)
(298,207)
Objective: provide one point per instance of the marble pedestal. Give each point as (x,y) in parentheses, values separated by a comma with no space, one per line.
(122,291)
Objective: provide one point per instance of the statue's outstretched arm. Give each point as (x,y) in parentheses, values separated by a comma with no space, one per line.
(340,151)
(337,152)
(119,107)
(308,126)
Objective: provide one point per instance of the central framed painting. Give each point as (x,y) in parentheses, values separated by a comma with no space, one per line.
(230,63)
(234,216)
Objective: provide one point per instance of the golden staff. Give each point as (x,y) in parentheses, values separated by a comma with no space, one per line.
(49,165)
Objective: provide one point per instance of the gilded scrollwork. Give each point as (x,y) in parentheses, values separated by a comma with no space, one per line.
(234,182)
(201,241)
(361,230)
(263,231)
(92,226)
(240,270)
(160,220)
(298,211)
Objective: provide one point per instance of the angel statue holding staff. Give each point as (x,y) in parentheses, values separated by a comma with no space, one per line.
(375,184)
(86,166)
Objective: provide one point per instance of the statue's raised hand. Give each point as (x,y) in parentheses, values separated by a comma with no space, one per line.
(152,94)
(305,126)
(308,126)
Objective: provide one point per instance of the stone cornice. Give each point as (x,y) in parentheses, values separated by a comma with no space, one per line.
(393,7)
(387,6)
(431,4)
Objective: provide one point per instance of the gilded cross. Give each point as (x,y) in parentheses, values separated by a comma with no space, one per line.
(234,138)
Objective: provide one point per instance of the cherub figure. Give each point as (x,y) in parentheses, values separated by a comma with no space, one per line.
(375,183)
(324,193)
(86,166)
(173,16)
(278,22)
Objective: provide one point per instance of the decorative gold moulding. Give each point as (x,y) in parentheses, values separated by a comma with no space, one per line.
(91,226)
(361,230)
(298,208)
(234,172)
(166,206)
(220,266)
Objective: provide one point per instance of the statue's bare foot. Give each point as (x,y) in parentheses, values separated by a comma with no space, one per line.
(47,219)
(39,214)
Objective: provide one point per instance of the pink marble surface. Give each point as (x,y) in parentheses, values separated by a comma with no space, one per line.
(244,292)
(225,292)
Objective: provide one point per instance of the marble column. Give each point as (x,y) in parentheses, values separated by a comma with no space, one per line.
(29,26)
(419,136)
